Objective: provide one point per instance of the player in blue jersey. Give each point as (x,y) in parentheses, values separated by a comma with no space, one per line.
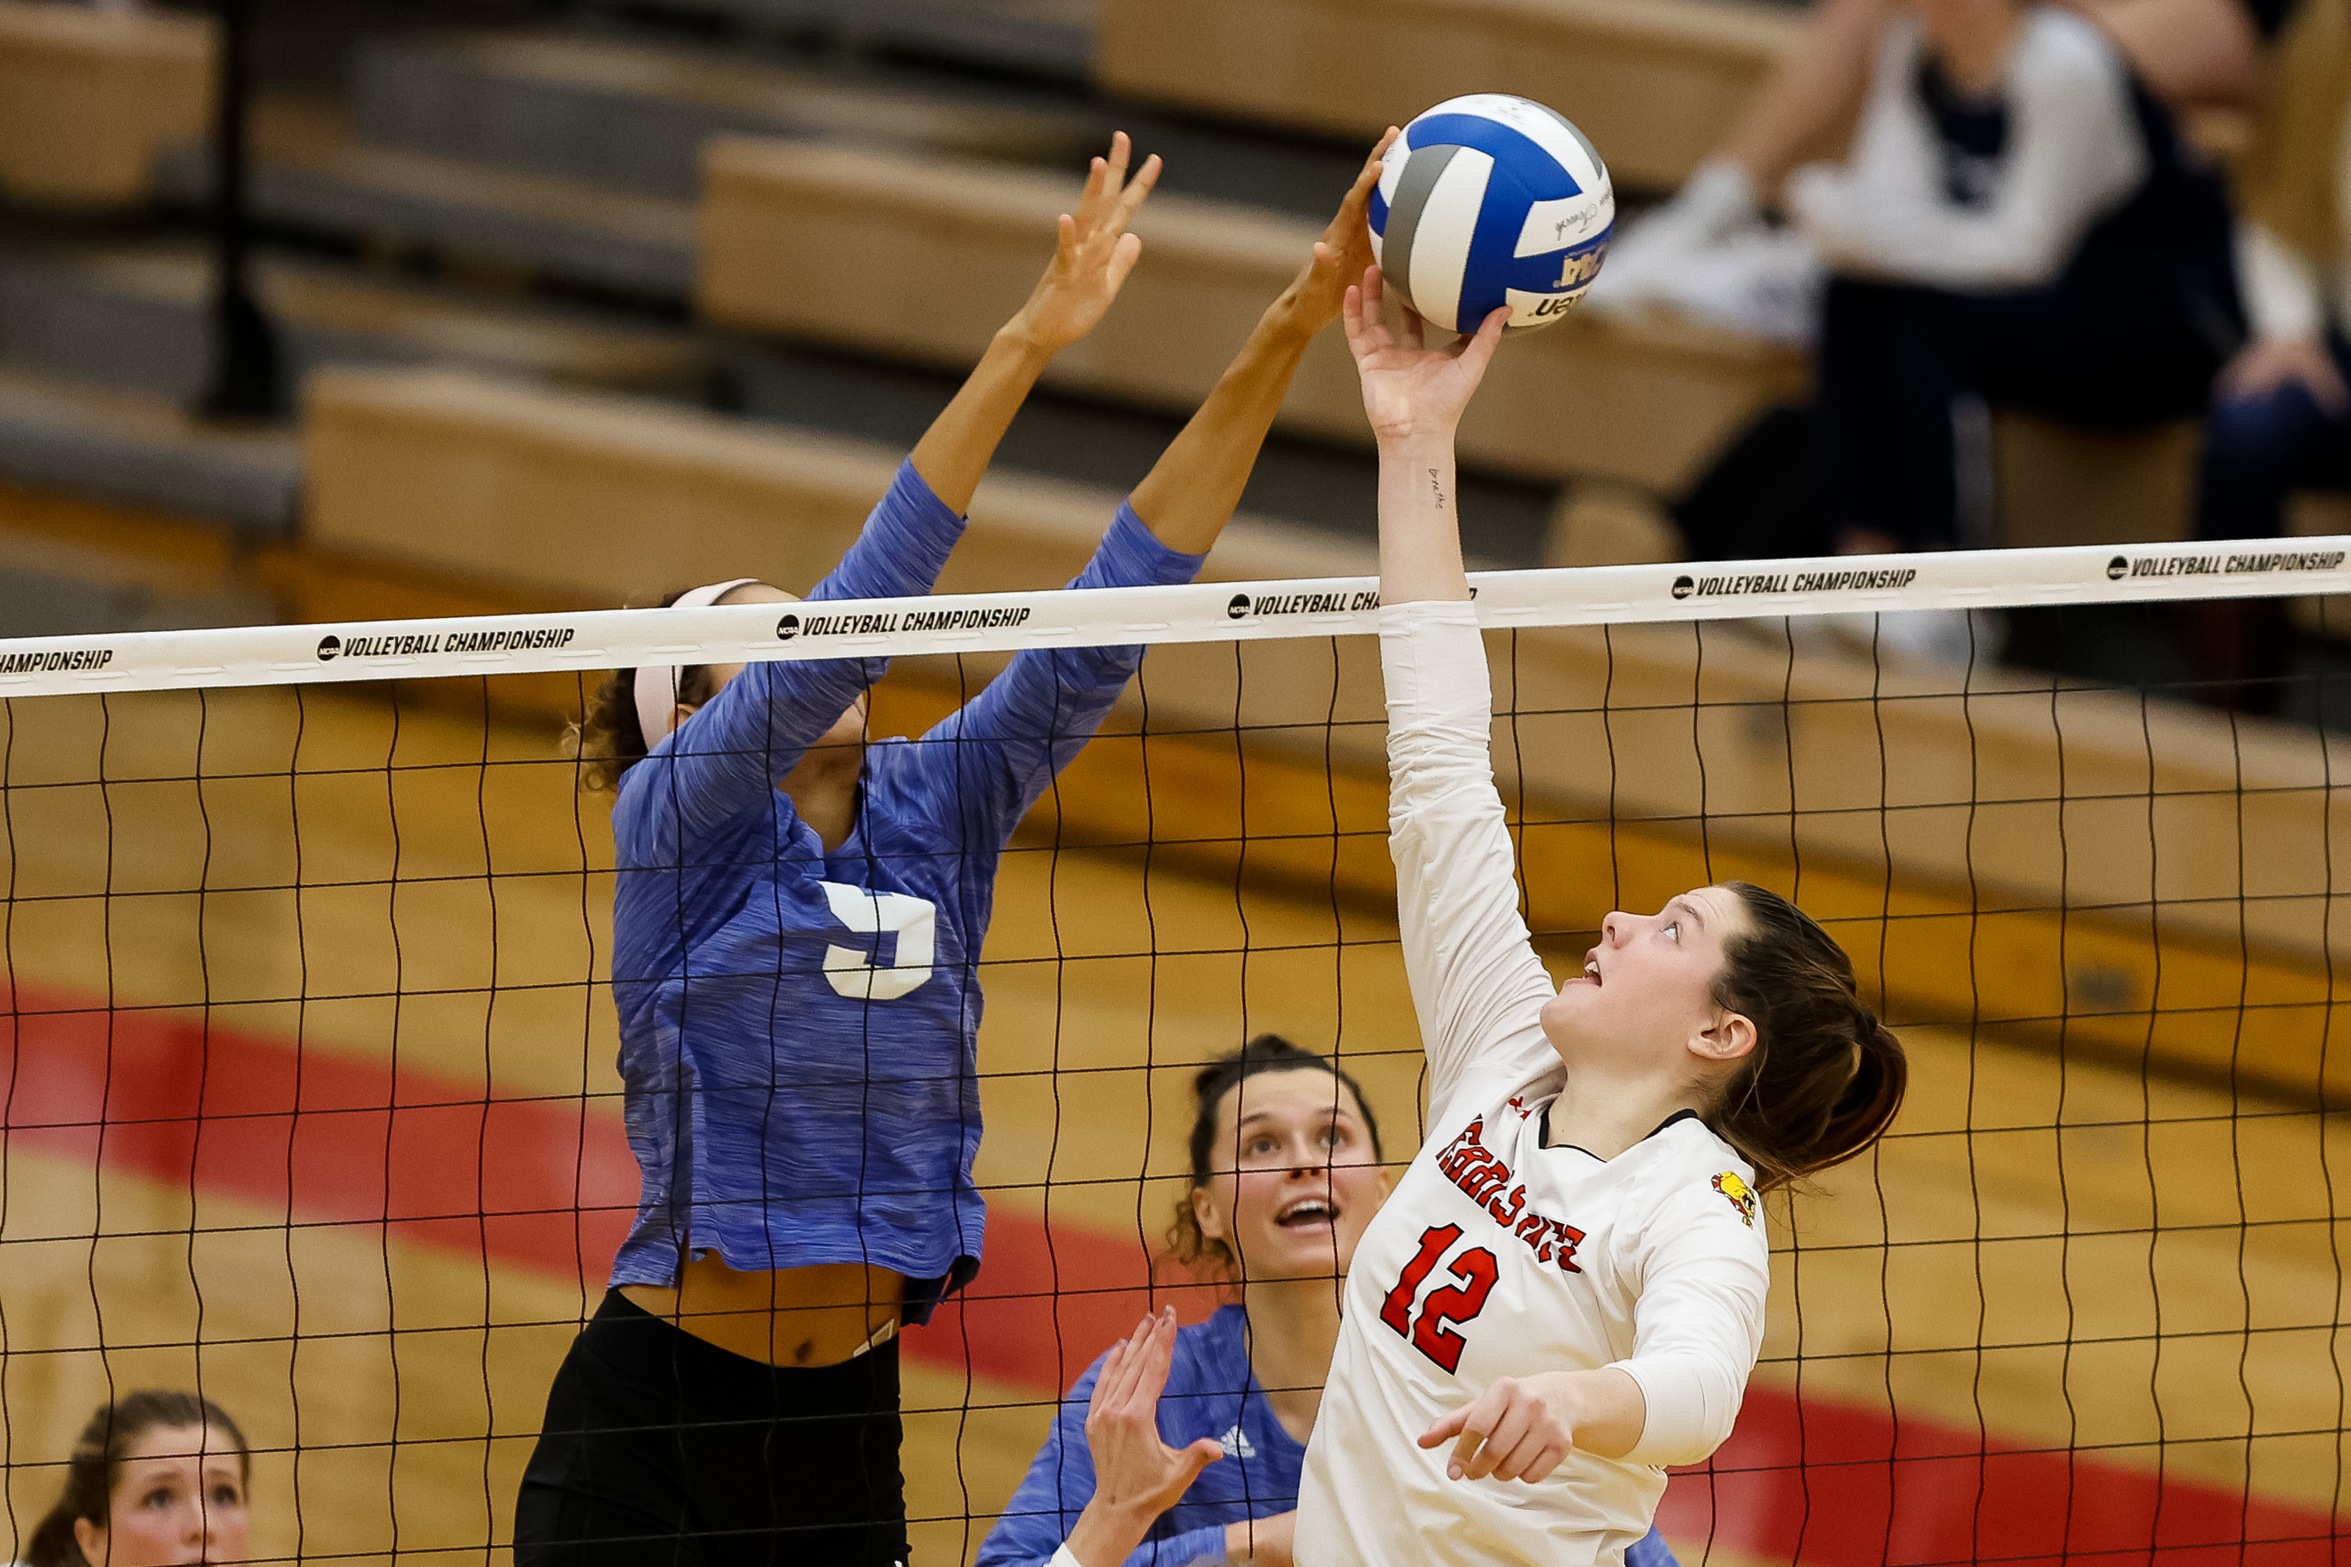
(1285,1159)
(797,922)
(1286,1174)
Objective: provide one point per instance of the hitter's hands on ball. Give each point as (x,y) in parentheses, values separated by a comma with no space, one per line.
(1410,389)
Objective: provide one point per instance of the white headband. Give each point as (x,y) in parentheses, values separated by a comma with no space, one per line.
(657,684)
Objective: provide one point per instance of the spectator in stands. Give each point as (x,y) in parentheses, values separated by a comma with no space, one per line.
(1708,252)
(156,1478)
(2018,226)
(2282,419)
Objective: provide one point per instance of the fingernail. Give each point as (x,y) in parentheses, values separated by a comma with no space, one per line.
(1452,1471)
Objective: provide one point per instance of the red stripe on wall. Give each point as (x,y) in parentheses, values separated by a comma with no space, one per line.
(544,1184)
(549,1185)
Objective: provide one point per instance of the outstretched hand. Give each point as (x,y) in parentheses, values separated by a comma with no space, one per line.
(1132,1466)
(1410,388)
(1137,1476)
(1093,254)
(1342,255)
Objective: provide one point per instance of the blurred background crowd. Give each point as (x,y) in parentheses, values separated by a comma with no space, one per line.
(1892,275)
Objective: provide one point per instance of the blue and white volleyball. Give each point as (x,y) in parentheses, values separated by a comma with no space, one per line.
(1487,201)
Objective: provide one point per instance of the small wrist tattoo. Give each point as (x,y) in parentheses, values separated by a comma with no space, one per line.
(1436,489)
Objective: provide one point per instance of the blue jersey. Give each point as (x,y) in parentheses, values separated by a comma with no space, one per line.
(797,1024)
(1211,1392)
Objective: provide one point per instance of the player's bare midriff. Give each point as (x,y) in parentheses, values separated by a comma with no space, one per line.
(814,1316)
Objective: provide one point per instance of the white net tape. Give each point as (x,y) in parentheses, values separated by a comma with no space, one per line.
(1196,612)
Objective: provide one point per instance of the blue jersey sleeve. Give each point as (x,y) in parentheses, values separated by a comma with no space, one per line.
(1195,1548)
(1651,1551)
(1052,1494)
(1056,1489)
(991,759)
(742,741)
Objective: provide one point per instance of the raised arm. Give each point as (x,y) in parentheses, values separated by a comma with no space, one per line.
(1002,750)
(1091,260)
(1476,983)
(759,725)
(1414,396)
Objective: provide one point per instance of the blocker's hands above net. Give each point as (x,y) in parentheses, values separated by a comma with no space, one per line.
(1410,388)
(1314,299)
(1094,254)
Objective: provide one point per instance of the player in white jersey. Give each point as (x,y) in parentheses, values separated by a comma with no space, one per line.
(1566,1291)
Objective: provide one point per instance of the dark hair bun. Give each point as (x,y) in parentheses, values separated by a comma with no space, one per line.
(1826,1077)
(1265,1053)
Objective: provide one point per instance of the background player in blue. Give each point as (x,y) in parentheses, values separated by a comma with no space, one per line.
(1285,1160)
(797,921)
(1285,1176)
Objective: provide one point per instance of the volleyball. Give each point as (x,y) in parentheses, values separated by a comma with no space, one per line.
(1491,200)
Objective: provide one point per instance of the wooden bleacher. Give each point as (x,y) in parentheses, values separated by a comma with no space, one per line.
(923,258)
(145,450)
(89,98)
(608,500)
(1045,38)
(1910,791)
(309,171)
(632,112)
(1655,83)
(2056,484)
(829,244)
(138,317)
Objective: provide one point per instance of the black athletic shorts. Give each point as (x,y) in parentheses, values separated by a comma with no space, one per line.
(662,1450)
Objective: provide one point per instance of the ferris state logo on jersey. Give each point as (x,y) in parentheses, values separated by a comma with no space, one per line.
(1739,1194)
(1485,1178)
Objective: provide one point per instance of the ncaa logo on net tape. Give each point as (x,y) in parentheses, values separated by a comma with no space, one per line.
(1242,605)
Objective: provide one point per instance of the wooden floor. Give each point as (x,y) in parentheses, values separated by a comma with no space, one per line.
(2046,1256)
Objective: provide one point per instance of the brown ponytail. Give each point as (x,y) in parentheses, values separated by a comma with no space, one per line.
(99,1451)
(1825,1077)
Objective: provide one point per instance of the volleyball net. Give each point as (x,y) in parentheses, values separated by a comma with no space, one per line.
(308,1099)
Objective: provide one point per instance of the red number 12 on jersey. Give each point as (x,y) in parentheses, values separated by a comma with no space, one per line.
(1430,1333)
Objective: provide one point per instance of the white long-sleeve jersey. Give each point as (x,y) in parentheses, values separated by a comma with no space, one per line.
(1499,1255)
(2075,153)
